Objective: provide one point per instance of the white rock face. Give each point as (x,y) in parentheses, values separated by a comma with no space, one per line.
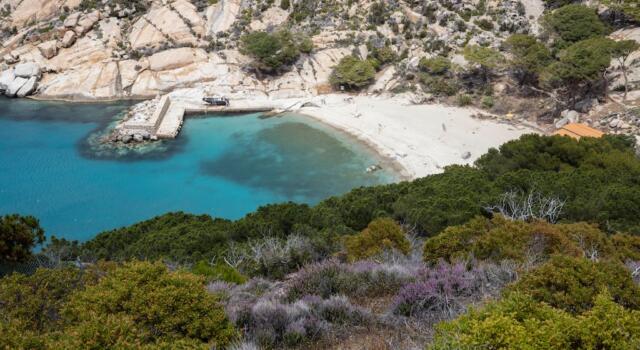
(27,70)
(159,26)
(270,18)
(15,86)
(84,51)
(176,58)
(28,10)
(89,81)
(189,13)
(221,16)
(28,88)
(49,48)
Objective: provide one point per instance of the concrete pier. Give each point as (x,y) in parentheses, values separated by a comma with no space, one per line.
(168,117)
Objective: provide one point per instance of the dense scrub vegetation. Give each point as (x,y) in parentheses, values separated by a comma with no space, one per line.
(137,305)
(596,179)
(274,51)
(541,238)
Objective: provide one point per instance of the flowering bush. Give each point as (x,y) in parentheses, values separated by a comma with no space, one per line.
(274,324)
(444,290)
(441,291)
(358,280)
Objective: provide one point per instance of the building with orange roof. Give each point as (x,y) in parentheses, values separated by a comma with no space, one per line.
(577,130)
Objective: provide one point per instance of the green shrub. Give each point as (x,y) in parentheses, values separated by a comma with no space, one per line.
(218,272)
(626,247)
(284,4)
(439,85)
(163,305)
(438,65)
(484,24)
(464,99)
(381,234)
(34,302)
(499,238)
(487,102)
(273,51)
(572,284)
(385,55)
(519,322)
(352,73)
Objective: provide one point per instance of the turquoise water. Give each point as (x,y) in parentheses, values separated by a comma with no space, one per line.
(222,166)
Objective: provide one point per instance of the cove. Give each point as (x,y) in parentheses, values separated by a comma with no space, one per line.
(224,166)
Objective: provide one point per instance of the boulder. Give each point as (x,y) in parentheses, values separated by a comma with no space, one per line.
(87,22)
(466,155)
(72,20)
(15,86)
(28,88)
(585,105)
(614,123)
(561,122)
(49,48)
(6,78)
(68,39)
(27,70)
(9,59)
(573,116)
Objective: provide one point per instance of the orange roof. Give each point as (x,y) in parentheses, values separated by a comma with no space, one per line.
(577,131)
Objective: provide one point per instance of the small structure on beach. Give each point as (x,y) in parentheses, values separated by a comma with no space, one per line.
(578,130)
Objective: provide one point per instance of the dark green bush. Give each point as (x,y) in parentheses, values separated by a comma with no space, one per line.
(438,65)
(273,51)
(573,23)
(352,73)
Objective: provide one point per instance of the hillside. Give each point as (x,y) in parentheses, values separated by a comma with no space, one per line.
(534,244)
(514,59)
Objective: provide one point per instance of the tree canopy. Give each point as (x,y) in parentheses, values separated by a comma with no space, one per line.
(572,23)
(18,235)
(353,73)
(273,51)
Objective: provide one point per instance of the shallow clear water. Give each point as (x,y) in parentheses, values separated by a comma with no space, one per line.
(222,166)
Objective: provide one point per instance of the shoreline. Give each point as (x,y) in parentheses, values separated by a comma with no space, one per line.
(414,140)
(420,139)
(396,167)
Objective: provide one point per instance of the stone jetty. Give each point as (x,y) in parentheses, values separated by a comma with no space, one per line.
(162,118)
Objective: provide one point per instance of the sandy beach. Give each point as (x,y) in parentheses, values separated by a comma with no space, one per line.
(421,139)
